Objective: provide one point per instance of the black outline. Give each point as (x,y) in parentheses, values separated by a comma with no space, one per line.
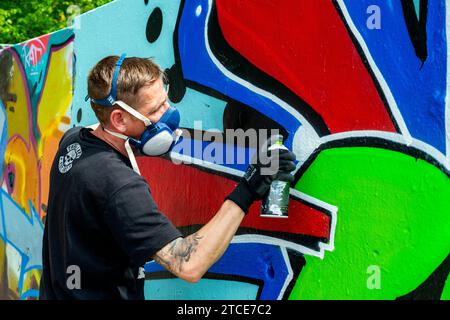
(371,142)
(79,115)
(433,286)
(297,262)
(176,49)
(417,27)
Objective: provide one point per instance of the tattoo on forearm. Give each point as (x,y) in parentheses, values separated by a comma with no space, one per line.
(178,252)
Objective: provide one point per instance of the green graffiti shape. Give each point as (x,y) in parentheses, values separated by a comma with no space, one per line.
(393,217)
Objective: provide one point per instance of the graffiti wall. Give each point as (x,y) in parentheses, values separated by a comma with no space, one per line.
(359,90)
(36,94)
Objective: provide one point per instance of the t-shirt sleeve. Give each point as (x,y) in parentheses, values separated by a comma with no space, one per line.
(136,223)
(69,133)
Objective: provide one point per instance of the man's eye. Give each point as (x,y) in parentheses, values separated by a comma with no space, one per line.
(152,112)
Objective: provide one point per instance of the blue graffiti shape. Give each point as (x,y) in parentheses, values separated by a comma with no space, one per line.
(24,234)
(201,67)
(419,88)
(263,265)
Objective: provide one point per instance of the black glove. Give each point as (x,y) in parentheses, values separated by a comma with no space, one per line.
(256,182)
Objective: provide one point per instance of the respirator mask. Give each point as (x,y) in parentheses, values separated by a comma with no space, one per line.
(157,139)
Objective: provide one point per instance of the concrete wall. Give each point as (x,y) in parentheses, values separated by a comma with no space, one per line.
(360,89)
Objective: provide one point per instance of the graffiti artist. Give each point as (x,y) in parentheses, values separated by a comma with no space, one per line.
(101,215)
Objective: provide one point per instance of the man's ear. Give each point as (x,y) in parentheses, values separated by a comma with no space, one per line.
(118,120)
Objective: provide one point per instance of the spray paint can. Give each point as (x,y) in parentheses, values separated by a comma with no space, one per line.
(276,203)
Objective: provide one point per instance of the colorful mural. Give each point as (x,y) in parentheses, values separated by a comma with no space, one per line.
(35,103)
(365,110)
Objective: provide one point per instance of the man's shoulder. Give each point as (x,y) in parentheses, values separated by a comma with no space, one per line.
(106,166)
(92,162)
(70,134)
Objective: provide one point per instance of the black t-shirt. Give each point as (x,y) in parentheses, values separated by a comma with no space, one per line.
(102,223)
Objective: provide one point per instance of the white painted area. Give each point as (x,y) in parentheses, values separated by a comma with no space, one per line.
(304,145)
(198,11)
(394,137)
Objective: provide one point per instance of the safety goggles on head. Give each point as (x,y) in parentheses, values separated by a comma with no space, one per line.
(158,138)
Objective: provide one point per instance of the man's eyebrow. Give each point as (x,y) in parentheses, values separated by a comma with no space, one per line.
(154,108)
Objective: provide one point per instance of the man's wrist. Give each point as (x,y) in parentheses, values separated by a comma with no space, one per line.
(242,196)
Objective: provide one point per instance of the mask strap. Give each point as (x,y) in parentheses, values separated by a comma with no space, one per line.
(132,157)
(134,112)
(127,148)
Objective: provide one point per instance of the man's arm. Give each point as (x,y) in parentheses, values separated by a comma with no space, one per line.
(189,258)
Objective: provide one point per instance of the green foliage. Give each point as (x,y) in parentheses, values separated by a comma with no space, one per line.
(21,20)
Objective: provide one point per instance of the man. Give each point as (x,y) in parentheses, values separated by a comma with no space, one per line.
(102,223)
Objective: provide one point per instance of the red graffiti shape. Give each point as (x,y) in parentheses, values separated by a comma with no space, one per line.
(197,196)
(35,49)
(305,45)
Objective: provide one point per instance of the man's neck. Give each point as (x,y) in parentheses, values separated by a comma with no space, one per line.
(115,142)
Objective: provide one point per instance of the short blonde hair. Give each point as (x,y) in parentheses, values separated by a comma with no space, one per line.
(134,74)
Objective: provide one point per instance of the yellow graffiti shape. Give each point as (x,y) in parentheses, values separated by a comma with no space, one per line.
(25,181)
(3,275)
(53,118)
(17,112)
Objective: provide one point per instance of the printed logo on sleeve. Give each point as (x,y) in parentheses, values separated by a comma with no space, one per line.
(73,153)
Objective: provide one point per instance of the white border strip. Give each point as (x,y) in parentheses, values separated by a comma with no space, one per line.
(290,275)
(394,137)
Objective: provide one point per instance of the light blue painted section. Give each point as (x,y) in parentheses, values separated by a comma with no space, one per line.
(125,31)
(177,289)
(25,234)
(196,106)
(417,7)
